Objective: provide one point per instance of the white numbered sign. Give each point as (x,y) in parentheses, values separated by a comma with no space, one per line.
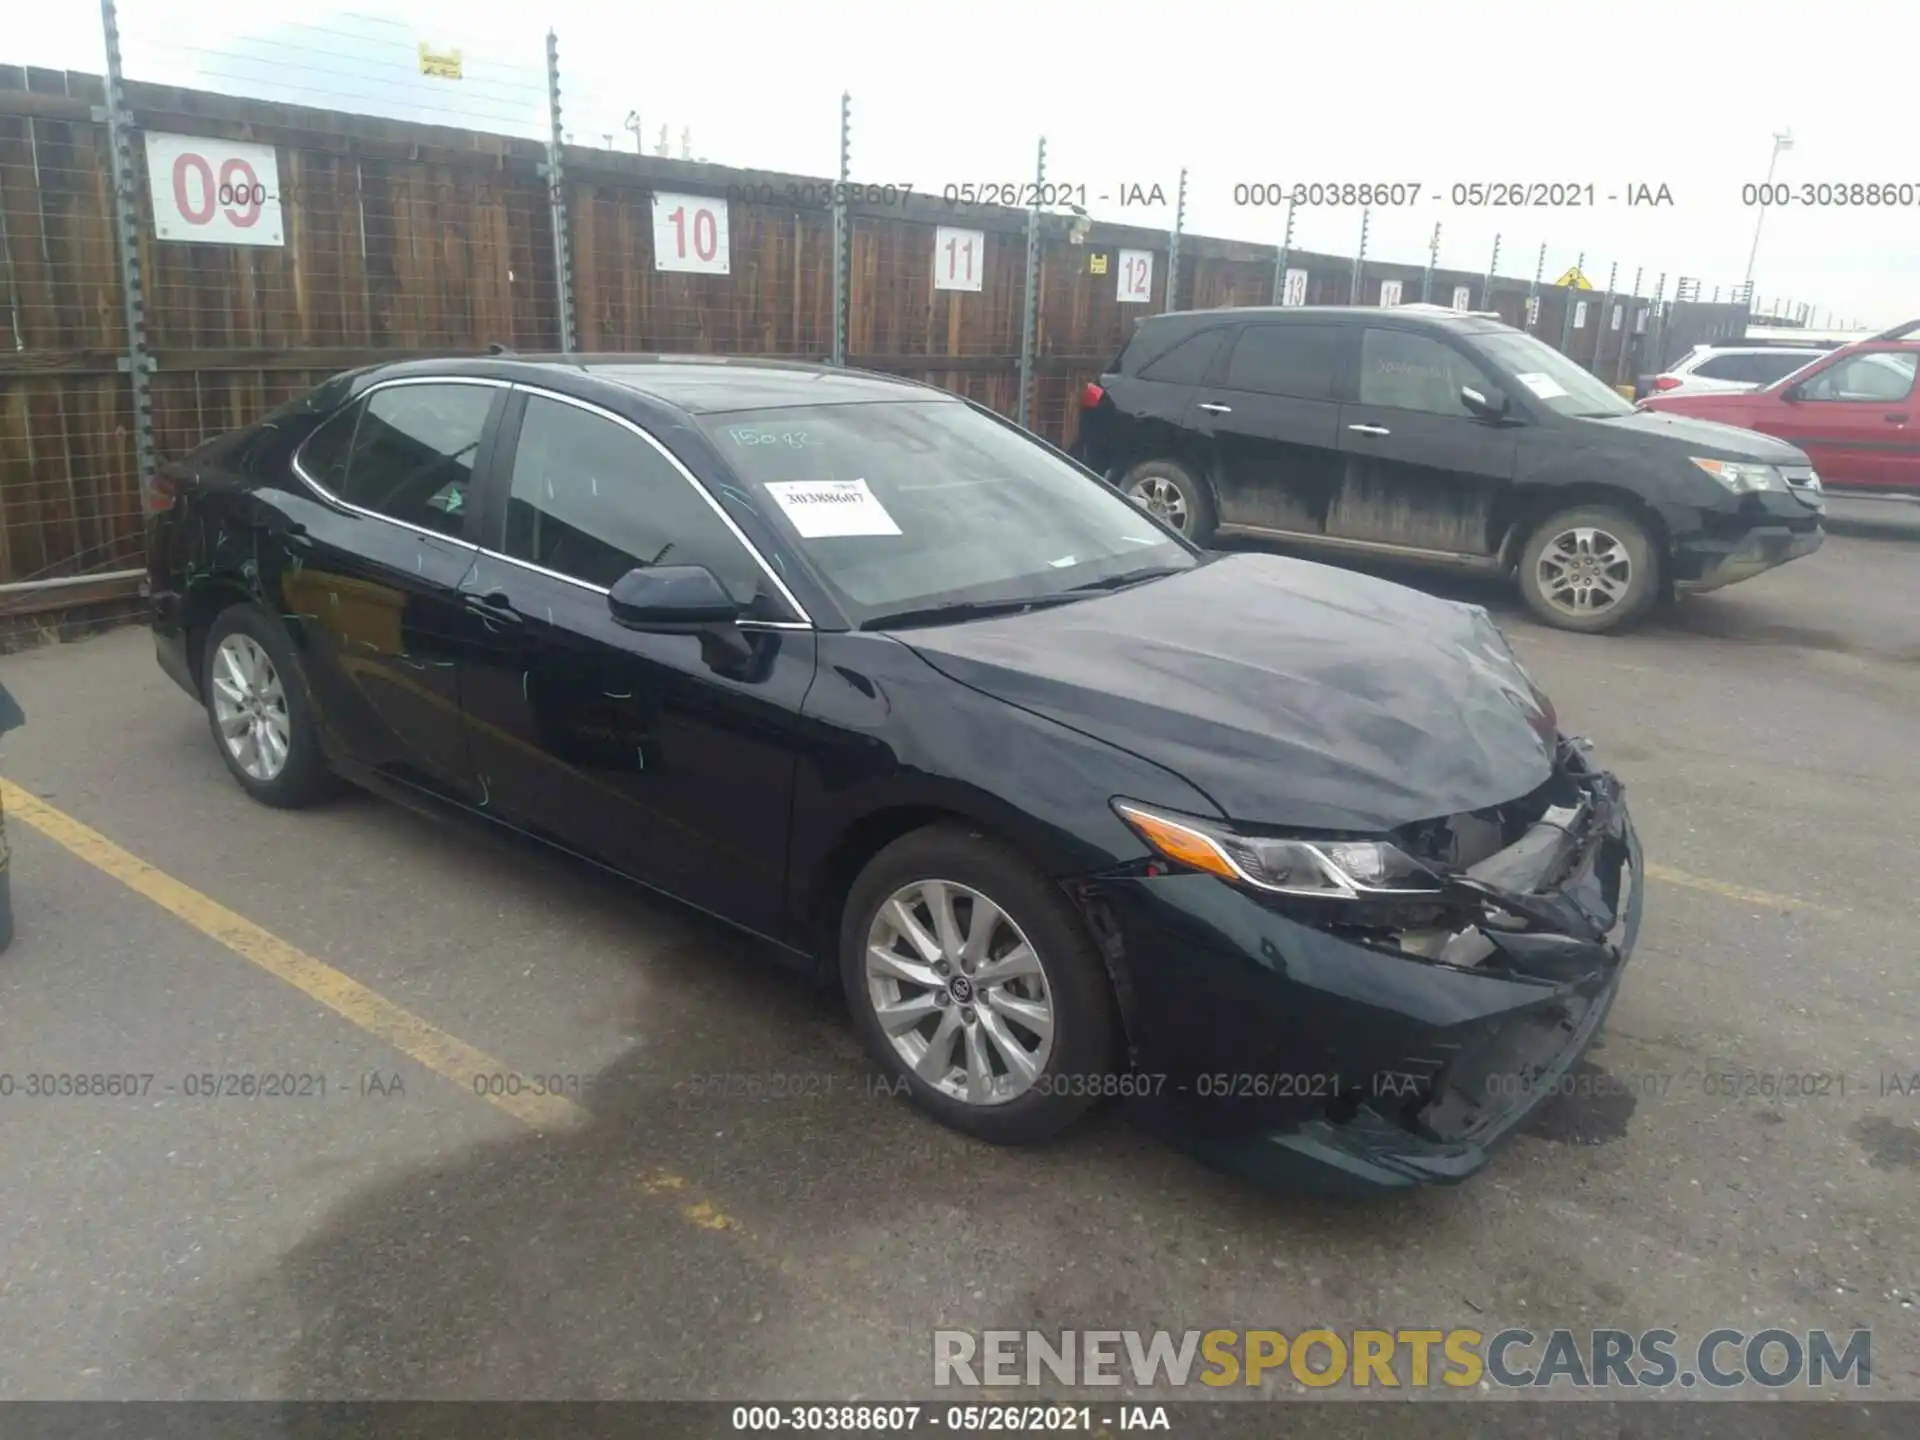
(957,257)
(1295,292)
(1580,315)
(1615,323)
(219,192)
(1136,277)
(1462,297)
(1389,292)
(1639,322)
(690,233)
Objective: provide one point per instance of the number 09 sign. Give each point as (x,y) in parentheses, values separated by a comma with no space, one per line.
(219,192)
(690,233)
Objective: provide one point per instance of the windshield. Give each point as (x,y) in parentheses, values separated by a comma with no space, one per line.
(1549,377)
(914,504)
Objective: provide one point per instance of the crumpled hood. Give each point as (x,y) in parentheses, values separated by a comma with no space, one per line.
(1291,693)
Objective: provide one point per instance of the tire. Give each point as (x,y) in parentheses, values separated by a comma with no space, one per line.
(1593,552)
(278,700)
(1066,983)
(1166,488)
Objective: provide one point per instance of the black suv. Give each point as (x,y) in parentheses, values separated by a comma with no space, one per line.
(1421,434)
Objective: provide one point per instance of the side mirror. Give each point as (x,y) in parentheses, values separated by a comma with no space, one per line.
(1486,402)
(1792,394)
(670,597)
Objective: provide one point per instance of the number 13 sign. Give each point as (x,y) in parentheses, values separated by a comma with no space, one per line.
(690,233)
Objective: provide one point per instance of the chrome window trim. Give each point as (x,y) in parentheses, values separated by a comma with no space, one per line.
(327,495)
(804,623)
(593,589)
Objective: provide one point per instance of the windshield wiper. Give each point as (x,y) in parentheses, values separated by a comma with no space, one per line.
(1132,577)
(963,610)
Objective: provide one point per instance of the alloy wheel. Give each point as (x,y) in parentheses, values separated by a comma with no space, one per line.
(250,707)
(1585,571)
(959,992)
(1162,499)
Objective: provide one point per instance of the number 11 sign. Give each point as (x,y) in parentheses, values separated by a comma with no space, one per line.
(957,257)
(690,233)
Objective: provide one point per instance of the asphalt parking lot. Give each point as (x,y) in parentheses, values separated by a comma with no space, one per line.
(401,1234)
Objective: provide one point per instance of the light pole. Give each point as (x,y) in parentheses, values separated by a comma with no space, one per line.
(1782,140)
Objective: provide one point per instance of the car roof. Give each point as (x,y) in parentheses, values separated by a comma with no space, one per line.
(694,384)
(1329,314)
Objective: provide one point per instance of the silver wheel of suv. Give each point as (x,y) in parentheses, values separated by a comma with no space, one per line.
(1161,499)
(1584,571)
(250,707)
(959,992)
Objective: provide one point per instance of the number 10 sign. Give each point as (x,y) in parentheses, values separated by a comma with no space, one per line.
(690,233)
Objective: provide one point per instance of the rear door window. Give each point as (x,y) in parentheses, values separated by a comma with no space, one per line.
(1298,361)
(1187,362)
(413,454)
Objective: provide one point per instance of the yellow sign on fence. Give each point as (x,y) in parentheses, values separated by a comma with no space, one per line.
(1574,278)
(443,63)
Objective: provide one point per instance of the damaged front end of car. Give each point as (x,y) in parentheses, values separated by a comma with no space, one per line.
(1389,1019)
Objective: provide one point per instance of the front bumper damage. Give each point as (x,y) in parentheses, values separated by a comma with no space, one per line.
(1706,563)
(1312,1055)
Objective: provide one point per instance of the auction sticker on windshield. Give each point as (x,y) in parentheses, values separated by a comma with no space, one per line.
(822,508)
(1545,386)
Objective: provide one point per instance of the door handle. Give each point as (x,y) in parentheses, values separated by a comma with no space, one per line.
(1213,409)
(1896,419)
(495,607)
(1371,429)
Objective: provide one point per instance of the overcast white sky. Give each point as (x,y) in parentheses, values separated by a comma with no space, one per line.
(1686,95)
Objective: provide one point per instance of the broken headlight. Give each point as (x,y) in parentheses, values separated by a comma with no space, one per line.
(1743,477)
(1315,868)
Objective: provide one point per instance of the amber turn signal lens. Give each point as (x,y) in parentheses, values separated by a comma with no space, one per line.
(1177,843)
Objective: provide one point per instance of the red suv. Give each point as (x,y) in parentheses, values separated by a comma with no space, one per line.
(1852,412)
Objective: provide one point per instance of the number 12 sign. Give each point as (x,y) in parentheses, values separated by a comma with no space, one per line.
(1136,277)
(690,233)
(957,257)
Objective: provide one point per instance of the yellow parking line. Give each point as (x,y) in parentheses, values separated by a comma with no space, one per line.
(440,1052)
(1736,892)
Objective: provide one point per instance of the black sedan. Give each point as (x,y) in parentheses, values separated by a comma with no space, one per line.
(1297,859)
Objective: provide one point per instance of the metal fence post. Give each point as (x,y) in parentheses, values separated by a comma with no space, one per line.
(557,201)
(1280,259)
(1486,286)
(1626,328)
(138,363)
(1533,290)
(1355,293)
(1600,325)
(1433,259)
(1030,319)
(1657,322)
(1566,313)
(1173,246)
(843,237)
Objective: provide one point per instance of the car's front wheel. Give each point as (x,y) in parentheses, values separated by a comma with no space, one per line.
(975,985)
(1592,568)
(260,710)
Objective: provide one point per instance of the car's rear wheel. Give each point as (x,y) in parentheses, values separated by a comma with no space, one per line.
(973,981)
(261,712)
(1173,495)
(1592,568)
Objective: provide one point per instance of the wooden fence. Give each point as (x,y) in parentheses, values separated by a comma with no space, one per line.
(406,240)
